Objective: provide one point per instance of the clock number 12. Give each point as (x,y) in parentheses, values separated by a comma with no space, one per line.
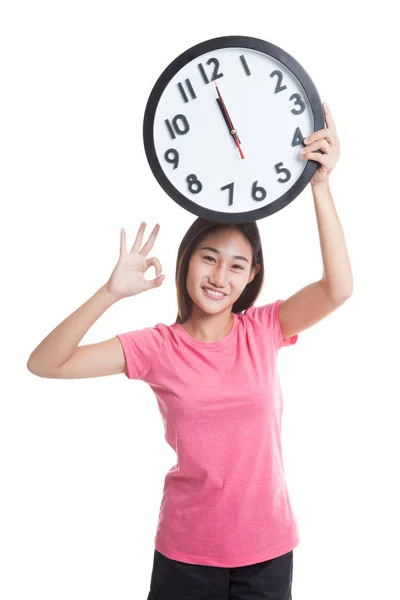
(215,75)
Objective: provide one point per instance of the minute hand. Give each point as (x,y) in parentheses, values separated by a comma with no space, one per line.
(228,121)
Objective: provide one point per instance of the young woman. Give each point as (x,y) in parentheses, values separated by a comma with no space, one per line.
(226,527)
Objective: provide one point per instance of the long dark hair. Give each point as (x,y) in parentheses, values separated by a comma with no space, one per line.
(193,236)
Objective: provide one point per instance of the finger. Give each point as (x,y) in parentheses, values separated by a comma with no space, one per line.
(331,124)
(323,134)
(150,242)
(322,144)
(122,242)
(157,281)
(330,137)
(139,238)
(154,262)
(328,117)
(153,283)
(320,135)
(321,158)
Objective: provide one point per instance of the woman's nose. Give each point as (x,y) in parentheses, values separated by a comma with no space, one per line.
(220,277)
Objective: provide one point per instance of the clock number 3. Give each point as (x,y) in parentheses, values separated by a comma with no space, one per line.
(300,102)
(280,88)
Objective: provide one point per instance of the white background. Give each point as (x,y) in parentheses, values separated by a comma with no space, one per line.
(83,461)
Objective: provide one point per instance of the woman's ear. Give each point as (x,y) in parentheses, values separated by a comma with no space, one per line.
(254,272)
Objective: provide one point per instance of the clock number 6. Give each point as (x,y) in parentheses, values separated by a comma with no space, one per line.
(258,190)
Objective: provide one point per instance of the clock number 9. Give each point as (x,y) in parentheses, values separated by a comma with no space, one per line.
(172,156)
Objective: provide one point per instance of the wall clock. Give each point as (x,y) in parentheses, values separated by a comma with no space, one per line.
(224,125)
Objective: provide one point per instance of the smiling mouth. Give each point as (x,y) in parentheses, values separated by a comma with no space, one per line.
(212,294)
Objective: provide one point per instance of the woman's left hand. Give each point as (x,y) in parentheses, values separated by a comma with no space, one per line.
(327,141)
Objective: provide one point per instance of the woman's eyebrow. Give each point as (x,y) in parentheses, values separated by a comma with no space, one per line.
(218,252)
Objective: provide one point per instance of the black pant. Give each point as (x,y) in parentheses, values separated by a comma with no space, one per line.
(175,580)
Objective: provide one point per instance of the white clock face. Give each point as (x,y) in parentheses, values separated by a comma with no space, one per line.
(270,112)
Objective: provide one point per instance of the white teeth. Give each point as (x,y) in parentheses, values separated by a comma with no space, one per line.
(212,293)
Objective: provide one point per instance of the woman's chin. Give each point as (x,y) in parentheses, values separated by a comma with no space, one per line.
(211,306)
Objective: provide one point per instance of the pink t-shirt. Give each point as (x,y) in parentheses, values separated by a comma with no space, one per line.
(225,502)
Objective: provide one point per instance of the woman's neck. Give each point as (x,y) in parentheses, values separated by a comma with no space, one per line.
(213,328)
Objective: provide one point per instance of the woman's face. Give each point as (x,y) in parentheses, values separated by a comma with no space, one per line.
(221,262)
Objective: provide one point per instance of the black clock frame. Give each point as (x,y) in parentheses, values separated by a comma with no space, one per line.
(155,95)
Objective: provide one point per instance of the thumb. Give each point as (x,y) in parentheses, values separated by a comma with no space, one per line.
(152,283)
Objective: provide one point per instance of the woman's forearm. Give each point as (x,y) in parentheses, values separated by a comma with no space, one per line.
(62,342)
(337,274)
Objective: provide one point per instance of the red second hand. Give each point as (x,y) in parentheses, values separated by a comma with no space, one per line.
(230,122)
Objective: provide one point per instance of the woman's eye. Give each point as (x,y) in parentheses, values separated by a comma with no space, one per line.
(212,258)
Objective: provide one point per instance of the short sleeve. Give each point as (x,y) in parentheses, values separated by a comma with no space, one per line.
(267,317)
(141,348)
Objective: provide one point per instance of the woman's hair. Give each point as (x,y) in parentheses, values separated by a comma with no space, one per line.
(196,232)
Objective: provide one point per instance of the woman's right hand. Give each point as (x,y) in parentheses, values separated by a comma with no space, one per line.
(127,278)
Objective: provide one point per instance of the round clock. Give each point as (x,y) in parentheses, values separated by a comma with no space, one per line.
(224,125)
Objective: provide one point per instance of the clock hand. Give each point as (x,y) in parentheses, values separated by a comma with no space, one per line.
(228,121)
(230,126)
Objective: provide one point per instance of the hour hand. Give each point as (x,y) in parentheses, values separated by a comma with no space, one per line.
(229,123)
